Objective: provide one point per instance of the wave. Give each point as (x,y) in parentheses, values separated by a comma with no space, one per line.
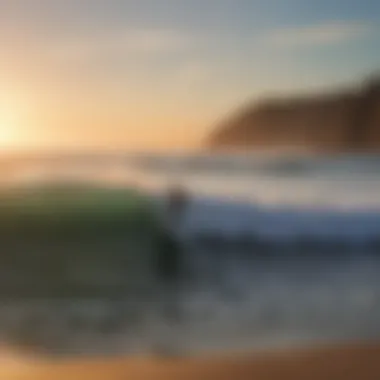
(270,260)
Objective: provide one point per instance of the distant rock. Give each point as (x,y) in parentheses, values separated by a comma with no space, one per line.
(340,122)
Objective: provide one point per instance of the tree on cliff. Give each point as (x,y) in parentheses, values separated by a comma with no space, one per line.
(363,113)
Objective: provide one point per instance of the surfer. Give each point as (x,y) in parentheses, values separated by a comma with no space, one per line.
(169,272)
(177,202)
(169,264)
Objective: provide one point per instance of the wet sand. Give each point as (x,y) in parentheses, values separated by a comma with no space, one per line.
(355,362)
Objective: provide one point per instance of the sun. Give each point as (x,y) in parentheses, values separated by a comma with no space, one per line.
(8,135)
(10,124)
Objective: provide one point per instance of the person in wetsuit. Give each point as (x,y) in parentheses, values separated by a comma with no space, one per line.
(177,201)
(168,267)
(169,264)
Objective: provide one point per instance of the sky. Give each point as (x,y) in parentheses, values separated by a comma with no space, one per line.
(160,74)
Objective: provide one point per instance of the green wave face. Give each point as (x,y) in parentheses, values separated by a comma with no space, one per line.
(75,241)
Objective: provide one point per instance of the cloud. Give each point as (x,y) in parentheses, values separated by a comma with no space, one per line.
(193,73)
(152,41)
(121,44)
(331,33)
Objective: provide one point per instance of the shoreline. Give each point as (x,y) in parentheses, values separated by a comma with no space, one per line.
(336,362)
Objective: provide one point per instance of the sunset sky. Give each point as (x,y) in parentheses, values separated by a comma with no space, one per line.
(161,73)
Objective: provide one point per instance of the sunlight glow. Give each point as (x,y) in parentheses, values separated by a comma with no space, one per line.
(10,125)
(8,136)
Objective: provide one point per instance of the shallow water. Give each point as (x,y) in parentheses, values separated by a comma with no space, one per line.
(240,304)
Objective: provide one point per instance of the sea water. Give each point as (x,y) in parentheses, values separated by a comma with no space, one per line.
(279,251)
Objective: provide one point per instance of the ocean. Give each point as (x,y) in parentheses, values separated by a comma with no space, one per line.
(280,251)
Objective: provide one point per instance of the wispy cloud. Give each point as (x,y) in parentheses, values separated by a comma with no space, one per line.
(193,73)
(119,44)
(150,41)
(330,33)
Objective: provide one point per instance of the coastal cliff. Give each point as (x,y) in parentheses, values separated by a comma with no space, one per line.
(343,121)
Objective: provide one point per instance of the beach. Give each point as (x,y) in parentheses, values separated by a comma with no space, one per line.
(347,362)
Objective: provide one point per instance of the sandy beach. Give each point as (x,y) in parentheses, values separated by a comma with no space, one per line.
(360,361)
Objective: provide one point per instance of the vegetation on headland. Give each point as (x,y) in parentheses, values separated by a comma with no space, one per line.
(341,121)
